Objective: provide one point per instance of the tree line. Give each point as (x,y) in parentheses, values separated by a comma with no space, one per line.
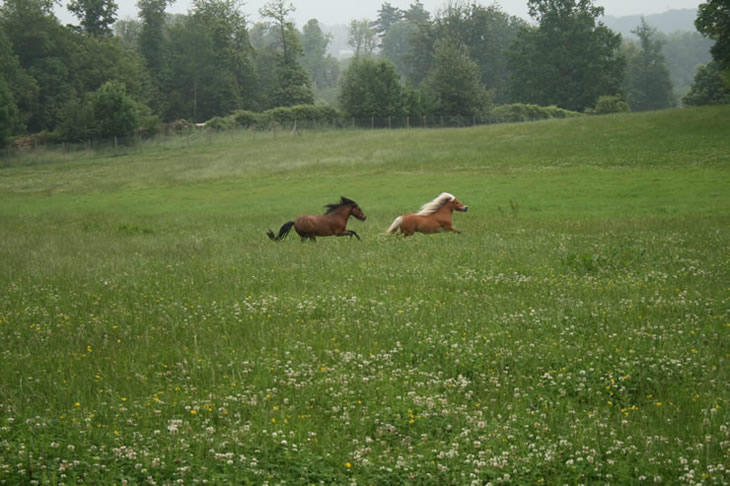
(109,78)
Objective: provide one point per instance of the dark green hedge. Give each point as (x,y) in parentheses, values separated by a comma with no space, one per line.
(519,112)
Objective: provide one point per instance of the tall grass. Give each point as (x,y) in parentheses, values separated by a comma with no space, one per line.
(575,332)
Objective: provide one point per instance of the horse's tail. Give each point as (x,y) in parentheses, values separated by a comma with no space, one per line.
(286,227)
(396,224)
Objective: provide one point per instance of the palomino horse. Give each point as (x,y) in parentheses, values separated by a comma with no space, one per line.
(433,216)
(332,223)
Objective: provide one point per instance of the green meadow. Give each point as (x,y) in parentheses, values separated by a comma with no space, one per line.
(577,331)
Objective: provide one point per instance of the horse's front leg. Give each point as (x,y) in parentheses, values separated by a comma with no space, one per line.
(349,233)
(449,227)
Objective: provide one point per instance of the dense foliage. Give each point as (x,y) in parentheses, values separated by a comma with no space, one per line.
(569,59)
(713,20)
(710,87)
(519,112)
(464,61)
(371,87)
(712,84)
(648,85)
(454,83)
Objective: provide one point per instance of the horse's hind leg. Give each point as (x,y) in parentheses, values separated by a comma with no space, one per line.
(304,235)
(408,227)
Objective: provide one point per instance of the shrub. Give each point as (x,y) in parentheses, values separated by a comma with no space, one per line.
(78,123)
(115,112)
(519,112)
(219,123)
(710,87)
(148,123)
(610,104)
(314,113)
(246,119)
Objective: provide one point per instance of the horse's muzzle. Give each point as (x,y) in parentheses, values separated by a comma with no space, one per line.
(464,209)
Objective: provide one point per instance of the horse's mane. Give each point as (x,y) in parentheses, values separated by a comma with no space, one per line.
(436,204)
(343,202)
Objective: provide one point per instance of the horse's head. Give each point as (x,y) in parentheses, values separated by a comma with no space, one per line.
(354,208)
(357,212)
(456,205)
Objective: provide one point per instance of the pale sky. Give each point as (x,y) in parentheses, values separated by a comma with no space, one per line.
(334,12)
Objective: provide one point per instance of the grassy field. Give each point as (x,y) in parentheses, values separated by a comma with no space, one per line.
(576,332)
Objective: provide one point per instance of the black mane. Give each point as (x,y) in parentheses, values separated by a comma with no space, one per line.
(343,202)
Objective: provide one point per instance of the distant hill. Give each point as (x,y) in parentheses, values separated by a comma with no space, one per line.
(668,22)
(684,48)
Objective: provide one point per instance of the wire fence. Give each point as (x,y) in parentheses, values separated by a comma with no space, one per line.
(182,133)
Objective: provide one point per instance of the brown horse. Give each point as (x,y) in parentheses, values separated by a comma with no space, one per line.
(433,216)
(332,223)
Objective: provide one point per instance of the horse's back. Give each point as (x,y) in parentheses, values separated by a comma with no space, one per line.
(311,224)
(305,224)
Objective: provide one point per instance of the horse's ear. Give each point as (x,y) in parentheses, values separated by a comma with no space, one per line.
(346,200)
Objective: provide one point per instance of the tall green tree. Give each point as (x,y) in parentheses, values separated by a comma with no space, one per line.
(8,113)
(211,70)
(45,52)
(713,21)
(648,86)
(388,15)
(151,41)
(264,40)
(128,32)
(293,85)
(361,37)
(95,16)
(53,67)
(685,52)
(397,46)
(371,88)
(568,60)
(416,13)
(321,66)
(710,87)
(106,113)
(454,83)
(19,89)
(78,123)
(98,60)
(9,119)
(115,112)
(486,33)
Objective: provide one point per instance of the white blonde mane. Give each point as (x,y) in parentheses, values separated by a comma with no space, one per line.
(435,205)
